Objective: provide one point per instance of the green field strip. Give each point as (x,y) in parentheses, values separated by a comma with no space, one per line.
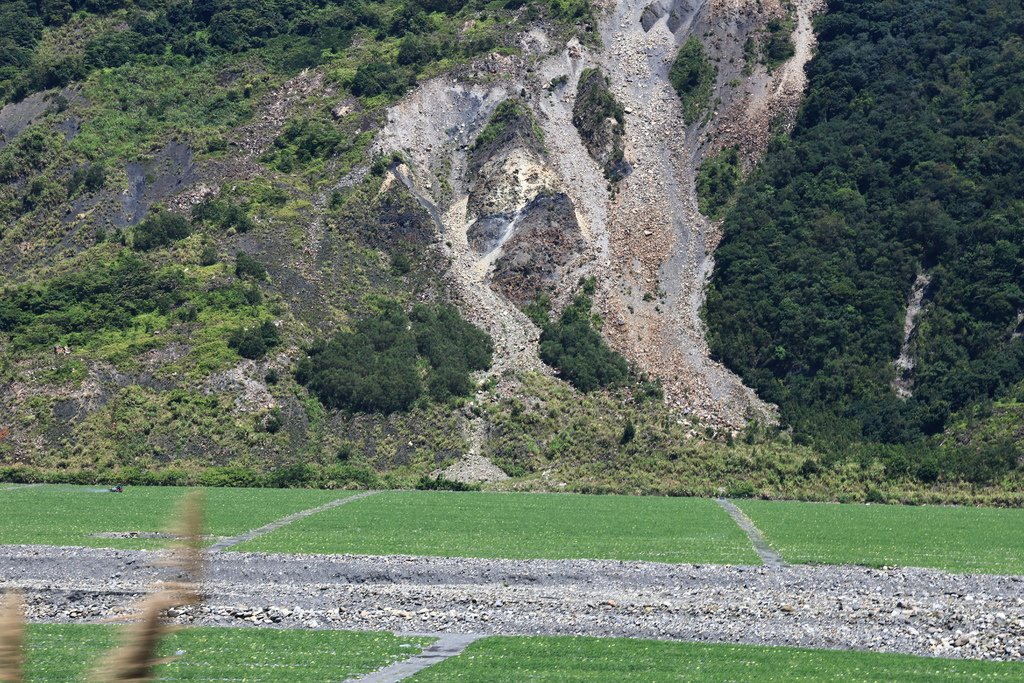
(69,515)
(231,541)
(520,526)
(68,652)
(957,539)
(561,659)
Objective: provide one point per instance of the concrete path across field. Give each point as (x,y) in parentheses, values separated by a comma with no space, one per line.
(764,550)
(226,543)
(447,645)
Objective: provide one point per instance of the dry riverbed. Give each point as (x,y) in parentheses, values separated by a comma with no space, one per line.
(914,611)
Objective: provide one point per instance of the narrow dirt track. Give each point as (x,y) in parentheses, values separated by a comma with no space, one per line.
(914,611)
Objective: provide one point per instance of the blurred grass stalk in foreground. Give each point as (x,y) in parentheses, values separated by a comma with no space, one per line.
(135,658)
(12,638)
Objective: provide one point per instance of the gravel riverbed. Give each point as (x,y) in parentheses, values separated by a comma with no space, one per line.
(915,611)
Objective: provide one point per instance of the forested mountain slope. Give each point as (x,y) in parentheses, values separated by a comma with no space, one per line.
(357,243)
(905,165)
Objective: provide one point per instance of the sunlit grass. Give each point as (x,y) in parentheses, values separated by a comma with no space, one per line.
(516,526)
(561,659)
(960,539)
(68,515)
(67,652)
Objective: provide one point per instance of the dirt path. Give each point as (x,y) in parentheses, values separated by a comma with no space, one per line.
(914,611)
(447,645)
(764,550)
(231,541)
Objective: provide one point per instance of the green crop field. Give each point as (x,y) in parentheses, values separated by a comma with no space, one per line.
(67,515)
(68,652)
(520,526)
(984,540)
(565,658)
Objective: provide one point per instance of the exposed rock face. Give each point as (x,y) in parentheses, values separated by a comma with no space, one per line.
(506,172)
(17,116)
(396,218)
(677,14)
(903,383)
(510,235)
(523,226)
(170,172)
(504,186)
(438,130)
(535,258)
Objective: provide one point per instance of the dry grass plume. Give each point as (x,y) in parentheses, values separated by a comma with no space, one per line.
(12,639)
(135,659)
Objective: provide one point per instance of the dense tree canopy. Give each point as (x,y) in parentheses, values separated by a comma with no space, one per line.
(386,362)
(574,347)
(89,300)
(297,34)
(906,157)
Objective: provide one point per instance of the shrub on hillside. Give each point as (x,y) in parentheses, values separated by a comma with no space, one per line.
(778,46)
(87,179)
(208,256)
(253,343)
(511,114)
(292,476)
(222,214)
(576,349)
(693,78)
(385,363)
(717,180)
(442,483)
(248,267)
(601,122)
(380,78)
(159,229)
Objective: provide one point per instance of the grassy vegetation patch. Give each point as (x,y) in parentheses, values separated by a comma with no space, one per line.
(573,344)
(601,121)
(957,539)
(67,515)
(74,306)
(717,180)
(520,526)
(133,107)
(511,115)
(777,45)
(64,652)
(693,77)
(565,658)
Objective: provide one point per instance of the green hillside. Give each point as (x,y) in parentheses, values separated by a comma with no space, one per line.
(905,159)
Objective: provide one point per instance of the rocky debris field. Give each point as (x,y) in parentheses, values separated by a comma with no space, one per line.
(914,611)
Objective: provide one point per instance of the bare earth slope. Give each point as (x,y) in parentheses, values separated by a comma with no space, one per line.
(646,243)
